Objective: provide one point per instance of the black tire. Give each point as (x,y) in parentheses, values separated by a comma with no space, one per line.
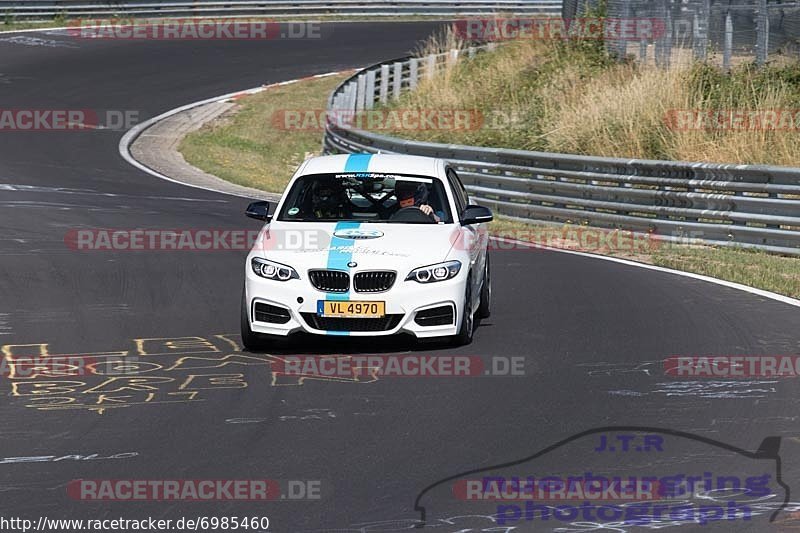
(485,307)
(250,341)
(464,336)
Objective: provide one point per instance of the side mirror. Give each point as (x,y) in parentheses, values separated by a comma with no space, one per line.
(475,214)
(258,211)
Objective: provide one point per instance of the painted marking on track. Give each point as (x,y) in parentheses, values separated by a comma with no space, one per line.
(35,41)
(153,371)
(71,457)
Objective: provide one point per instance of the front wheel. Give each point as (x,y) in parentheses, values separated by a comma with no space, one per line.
(464,336)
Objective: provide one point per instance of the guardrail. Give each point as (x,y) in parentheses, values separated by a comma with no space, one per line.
(741,205)
(49,9)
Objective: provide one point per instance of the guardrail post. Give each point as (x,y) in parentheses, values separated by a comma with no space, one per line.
(397,82)
(361,92)
(620,45)
(351,96)
(667,59)
(762,31)
(643,51)
(413,73)
(430,66)
(471,52)
(452,59)
(700,28)
(384,91)
(728,50)
(369,103)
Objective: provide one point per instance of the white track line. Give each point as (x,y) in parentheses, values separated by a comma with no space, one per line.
(132,134)
(729,284)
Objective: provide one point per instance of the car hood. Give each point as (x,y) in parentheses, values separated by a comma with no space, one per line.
(370,246)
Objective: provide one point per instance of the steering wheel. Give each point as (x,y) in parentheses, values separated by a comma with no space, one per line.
(413,215)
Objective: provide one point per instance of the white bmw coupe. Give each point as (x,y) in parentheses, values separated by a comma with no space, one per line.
(368,245)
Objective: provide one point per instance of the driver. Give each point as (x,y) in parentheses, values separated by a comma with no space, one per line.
(328,201)
(410,194)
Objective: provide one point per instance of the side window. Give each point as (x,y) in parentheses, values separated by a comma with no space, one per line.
(459,193)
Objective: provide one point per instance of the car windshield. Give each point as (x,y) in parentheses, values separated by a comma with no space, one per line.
(366,197)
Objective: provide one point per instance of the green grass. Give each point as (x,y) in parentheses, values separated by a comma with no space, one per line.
(9,24)
(754,269)
(247,148)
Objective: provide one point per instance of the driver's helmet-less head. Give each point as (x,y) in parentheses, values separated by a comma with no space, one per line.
(325,197)
(410,194)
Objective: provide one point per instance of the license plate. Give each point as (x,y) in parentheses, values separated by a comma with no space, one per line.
(346,309)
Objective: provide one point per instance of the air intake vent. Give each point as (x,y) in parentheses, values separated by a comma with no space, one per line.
(438,316)
(271,314)
(352,324)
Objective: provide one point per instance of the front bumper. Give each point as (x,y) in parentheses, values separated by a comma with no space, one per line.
(404,302)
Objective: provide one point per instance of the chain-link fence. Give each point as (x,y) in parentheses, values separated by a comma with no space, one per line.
(723,30)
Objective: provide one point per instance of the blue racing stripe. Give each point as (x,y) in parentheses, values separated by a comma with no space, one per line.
(338,259)
(357,163)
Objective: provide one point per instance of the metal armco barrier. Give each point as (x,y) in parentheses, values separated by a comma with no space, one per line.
(750,206)
(49,9)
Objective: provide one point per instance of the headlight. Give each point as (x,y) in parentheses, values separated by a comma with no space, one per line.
(273,270)
(434,273)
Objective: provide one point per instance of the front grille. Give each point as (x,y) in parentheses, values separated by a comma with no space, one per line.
(438,316)
(330,280)
(271,314)
(377,281)
(352,324)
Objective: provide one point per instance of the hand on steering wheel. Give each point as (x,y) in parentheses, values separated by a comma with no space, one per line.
(414,214)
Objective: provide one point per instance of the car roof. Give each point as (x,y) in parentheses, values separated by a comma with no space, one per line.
(382,163)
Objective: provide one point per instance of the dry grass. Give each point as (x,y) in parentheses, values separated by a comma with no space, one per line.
(573,98)
(620,113)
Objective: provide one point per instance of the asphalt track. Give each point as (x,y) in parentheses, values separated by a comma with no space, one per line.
(592,333)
